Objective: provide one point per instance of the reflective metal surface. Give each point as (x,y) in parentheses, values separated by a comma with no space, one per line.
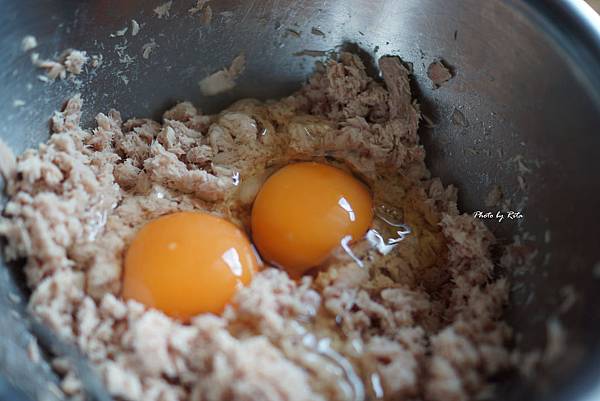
(527,89)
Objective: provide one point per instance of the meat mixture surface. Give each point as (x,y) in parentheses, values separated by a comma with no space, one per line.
(421,321)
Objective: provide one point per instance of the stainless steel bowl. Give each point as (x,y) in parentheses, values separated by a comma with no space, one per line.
(527,85)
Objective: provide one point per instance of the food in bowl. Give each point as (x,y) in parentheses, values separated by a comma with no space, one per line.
(364,281)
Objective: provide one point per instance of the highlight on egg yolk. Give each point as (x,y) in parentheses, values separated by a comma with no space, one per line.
(187,263)
(304,211)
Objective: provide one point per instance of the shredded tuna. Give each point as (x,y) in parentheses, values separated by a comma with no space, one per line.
(164,10)
(438,73)
(198,7)
(223,80)
(70,61)
(29,42)
(494,196)
(422,321)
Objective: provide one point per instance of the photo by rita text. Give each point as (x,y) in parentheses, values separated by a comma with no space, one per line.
(498,215)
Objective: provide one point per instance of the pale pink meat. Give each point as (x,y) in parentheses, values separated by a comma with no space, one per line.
(423,321)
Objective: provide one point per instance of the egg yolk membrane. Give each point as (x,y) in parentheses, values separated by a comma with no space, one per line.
(187,263)
(304,211)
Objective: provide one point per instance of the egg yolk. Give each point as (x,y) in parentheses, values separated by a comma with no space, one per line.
(304,211)
(187,263)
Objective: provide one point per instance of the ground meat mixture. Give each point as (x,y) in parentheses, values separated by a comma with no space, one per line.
(70,61)
(28,42)
(438,73)
(223,80)
(422,321)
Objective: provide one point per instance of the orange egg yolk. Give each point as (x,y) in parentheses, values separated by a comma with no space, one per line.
(187,263)
(304,211)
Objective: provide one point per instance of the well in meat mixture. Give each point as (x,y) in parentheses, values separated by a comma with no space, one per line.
(421,321)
